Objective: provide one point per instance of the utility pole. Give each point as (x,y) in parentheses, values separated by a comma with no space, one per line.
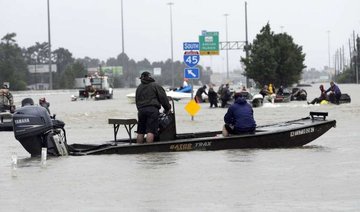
(172,46)
(49,53)
(246,43)
(227,49)
(122,27)
(357,59)
(329,48)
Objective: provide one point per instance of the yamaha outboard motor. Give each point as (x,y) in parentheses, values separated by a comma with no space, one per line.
(34,129)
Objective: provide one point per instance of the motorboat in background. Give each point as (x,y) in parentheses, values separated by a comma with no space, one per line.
(173,94)
(298,94)
(6,121)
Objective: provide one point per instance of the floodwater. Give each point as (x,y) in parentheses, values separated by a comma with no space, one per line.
(321,176)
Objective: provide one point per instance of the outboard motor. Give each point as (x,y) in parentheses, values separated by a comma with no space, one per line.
(34,129)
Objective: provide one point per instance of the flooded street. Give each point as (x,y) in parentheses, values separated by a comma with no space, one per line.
(321,176)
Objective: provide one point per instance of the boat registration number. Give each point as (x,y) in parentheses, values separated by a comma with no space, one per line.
(302,131)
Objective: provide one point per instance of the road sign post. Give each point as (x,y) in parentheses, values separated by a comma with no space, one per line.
(191,59)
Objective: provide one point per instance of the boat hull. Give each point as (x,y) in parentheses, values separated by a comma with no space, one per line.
(282,135)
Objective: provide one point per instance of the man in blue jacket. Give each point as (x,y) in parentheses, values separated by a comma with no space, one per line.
(239,118)
(335,91)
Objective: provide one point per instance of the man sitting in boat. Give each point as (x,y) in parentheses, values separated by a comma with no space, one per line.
(6,100)
(280,91)
(268,93)
(265,91)
(149,98)
(322,96)
(239,118)
(335,94)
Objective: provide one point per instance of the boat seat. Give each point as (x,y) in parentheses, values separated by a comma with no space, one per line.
(128,123)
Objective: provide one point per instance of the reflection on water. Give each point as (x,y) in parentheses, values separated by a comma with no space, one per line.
(156,160)
(240,156)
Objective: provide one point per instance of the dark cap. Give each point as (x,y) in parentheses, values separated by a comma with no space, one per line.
(145,74)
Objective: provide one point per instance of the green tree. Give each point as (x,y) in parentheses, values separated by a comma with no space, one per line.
(274,58)
(347,76)
(72,71)
(13,68)
(63,60)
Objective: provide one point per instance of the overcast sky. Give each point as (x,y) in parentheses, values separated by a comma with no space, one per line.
(93,27)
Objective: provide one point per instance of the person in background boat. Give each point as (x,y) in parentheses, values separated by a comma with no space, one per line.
(335,94)
(322,96)
(45,104)
(280,91)
(225,95)
(198,95)
(213,97)
(243,89)
(271,89)
(265,91)
(6,99)
(272,93)
(185,83)
(182,87)
(220,89)
(149,97)
(239,118)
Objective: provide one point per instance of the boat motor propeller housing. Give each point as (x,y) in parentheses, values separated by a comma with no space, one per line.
(34,129)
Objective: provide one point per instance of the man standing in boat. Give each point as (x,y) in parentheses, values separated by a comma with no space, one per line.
(6,99)
(149,98)
(239,118)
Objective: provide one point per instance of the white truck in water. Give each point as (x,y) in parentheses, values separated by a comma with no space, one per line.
(97,87)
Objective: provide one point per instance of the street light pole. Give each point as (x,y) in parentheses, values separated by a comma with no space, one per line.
(246,43)
(122,27)
(172,46)
(227,43)
(329,47)
(49,53)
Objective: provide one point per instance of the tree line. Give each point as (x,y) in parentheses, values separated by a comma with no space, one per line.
(14,62)
(273,58)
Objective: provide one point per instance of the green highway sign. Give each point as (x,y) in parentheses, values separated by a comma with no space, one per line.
(209,43)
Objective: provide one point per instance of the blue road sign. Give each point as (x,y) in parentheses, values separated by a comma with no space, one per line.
(191,46)
(191,73)
(191,59)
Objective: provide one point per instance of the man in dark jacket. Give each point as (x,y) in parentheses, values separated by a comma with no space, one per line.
(239,118)
(198,95)
(335,94)
(225,95)
(149,98)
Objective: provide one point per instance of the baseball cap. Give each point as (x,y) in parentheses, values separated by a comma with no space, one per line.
(145,74)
